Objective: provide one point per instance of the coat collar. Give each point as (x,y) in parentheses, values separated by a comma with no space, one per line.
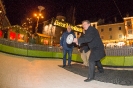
(69,32)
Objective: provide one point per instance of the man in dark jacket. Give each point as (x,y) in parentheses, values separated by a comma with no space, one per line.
(85,52)
(32,39)
(95,44)
(67,48)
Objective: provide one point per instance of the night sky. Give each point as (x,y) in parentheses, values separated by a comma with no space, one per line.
(17,10)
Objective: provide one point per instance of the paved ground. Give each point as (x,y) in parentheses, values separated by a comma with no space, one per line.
(116,76)
(27,72)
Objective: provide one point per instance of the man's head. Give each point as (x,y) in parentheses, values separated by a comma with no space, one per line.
(69,28)
(85,24)
(32,35)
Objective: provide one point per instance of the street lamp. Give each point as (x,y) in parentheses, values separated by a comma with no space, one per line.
(38,16)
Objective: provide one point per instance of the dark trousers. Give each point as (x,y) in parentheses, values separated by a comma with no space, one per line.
(92,65)
(65,52)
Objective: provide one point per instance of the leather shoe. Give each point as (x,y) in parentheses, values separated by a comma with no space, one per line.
(69,66)
(101,71)
(64,66)
(88,79)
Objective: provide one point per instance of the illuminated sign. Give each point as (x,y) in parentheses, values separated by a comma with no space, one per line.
(61,24)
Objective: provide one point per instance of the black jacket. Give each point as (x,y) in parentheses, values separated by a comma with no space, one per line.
(84,46)
(92,38)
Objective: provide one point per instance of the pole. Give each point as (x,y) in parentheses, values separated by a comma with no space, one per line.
(36,29)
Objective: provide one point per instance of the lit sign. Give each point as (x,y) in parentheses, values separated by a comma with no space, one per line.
(61,24)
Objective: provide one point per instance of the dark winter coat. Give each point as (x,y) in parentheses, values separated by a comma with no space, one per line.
(95,44)
(83,46)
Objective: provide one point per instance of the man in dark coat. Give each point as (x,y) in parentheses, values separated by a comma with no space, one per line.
(32,39)
(96,46)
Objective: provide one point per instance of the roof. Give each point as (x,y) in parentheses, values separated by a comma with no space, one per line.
(43,35)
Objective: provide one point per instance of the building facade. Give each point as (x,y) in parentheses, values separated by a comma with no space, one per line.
(112,33)
(129,29)
(4,22)
(116,33)
(56,28)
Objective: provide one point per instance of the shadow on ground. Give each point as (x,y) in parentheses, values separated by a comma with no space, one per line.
(122,77)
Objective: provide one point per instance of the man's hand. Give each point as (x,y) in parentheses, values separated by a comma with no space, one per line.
(61,47)
(75,41)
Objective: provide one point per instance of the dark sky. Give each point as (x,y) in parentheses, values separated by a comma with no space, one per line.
(85,9)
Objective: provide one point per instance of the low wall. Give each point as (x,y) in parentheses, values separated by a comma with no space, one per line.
(108,60)
(26,49)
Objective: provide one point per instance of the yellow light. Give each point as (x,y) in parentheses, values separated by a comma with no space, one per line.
(40,14)
(35,14)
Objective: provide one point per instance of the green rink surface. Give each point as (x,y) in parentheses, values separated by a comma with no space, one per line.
(108,60)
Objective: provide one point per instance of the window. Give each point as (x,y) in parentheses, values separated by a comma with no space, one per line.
(128,23)
(120,35)
(94,25)
(110,36)
(102,30)
(129,31)
(102,37)
(119,28)
(110,29)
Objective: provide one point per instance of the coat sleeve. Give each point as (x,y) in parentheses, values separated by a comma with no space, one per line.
(61,40)
(88,37)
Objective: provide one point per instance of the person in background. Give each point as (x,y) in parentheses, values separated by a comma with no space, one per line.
(85,52)
(67,49)
(32,39)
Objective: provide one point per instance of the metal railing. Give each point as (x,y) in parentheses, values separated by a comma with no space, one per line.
(119,51)
(110,51)
(23,45)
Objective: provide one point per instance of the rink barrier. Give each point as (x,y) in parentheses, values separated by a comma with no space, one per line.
(34,50)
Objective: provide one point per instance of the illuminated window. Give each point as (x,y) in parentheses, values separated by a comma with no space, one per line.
(1,33)
(129,31)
